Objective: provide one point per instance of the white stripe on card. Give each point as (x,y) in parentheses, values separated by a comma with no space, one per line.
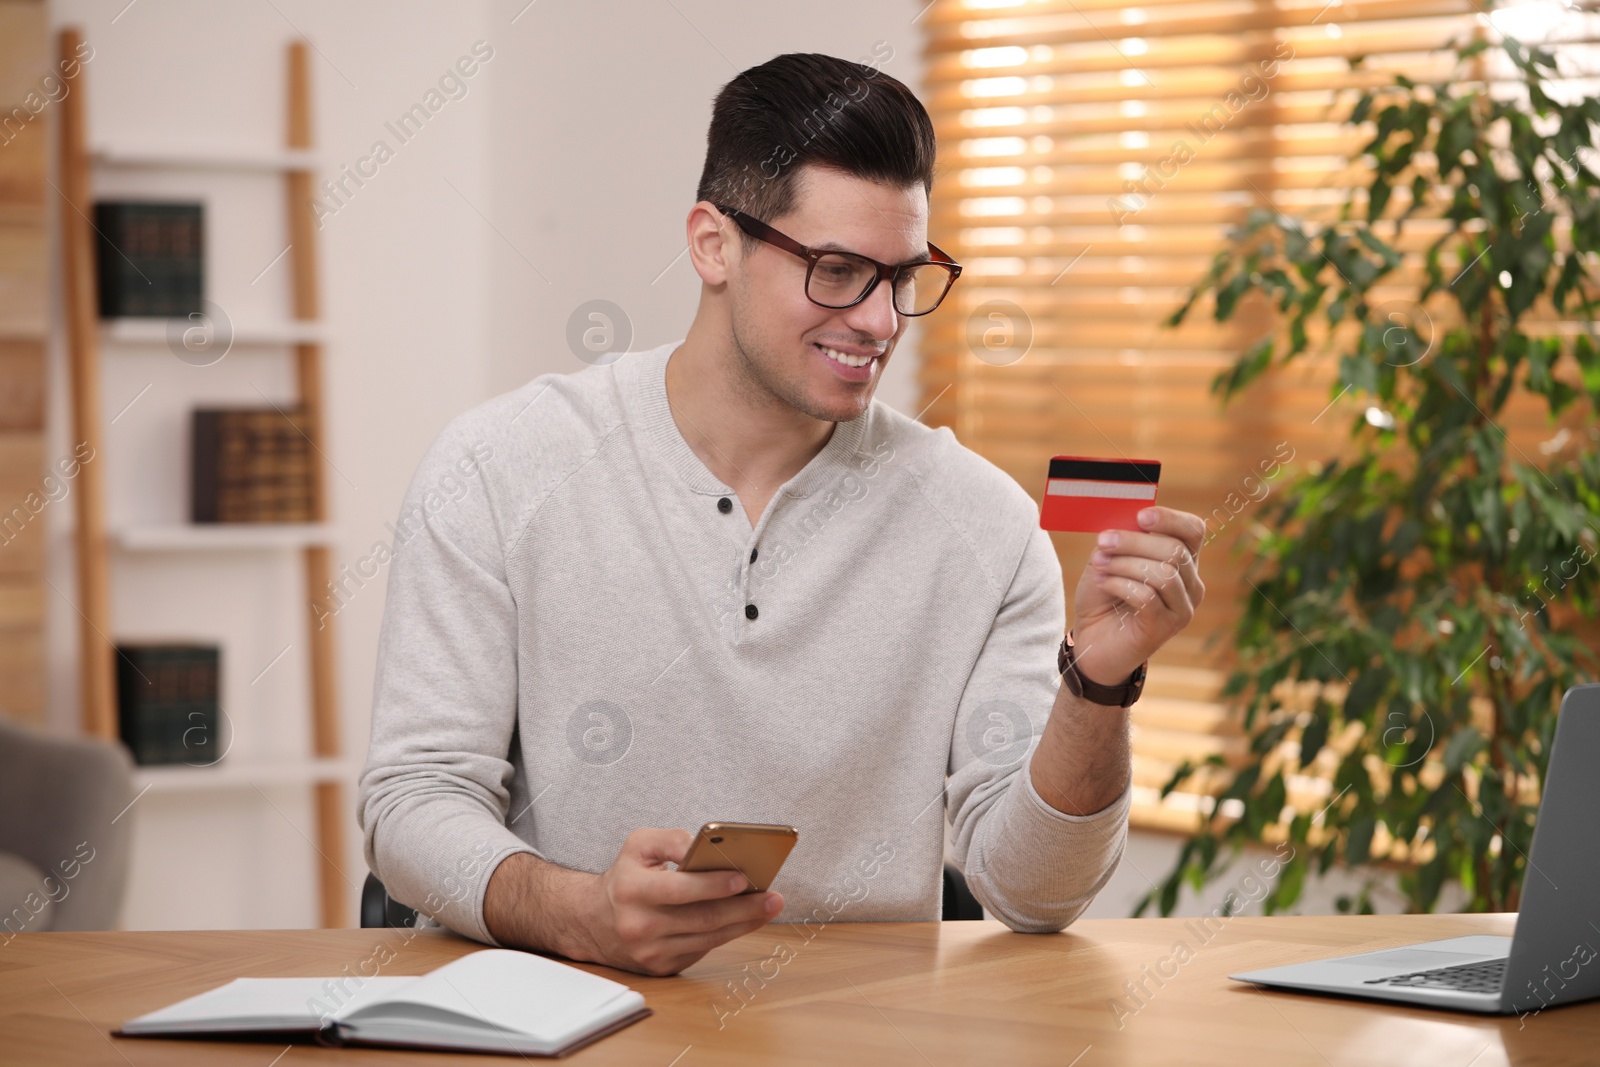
(1114,490)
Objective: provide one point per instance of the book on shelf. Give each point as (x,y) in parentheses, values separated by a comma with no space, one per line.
(491,1000)
(251,465)
(149,258)
(167,702)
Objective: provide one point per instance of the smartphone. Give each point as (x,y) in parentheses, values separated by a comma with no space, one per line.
(755,850)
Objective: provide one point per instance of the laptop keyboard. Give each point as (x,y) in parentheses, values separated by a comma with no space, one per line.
(1485,977)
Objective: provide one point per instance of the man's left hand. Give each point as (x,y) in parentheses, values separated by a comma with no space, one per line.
(1138,590)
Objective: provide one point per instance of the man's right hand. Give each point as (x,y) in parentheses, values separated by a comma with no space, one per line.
(640,915)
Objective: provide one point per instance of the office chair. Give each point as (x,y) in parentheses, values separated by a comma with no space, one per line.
(378,909)
(959,903)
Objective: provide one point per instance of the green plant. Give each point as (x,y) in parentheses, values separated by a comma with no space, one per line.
(1409,627)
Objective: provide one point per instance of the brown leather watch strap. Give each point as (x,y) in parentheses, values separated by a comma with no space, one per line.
(1112,696)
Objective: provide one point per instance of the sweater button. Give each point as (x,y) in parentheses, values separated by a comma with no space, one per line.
(753,552)
(750,611)
(724,505)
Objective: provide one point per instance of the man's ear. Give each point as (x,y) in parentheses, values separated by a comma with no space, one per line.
(713,243)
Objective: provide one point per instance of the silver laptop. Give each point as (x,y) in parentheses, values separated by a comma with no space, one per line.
(1554,957)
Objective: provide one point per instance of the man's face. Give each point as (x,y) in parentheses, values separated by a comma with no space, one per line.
(779,333)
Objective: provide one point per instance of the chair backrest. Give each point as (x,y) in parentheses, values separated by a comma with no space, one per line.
(378,909)
(959,903)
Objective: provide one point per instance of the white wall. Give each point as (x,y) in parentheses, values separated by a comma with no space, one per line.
(597,143)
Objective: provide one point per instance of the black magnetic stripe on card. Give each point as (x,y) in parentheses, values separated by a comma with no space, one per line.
(1105,470)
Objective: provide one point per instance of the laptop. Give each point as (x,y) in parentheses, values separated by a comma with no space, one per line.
(1554,957)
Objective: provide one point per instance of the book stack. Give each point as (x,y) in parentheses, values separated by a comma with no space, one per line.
(149,258)
(167,702)
(251,465)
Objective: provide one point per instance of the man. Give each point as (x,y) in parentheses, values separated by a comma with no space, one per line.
(715,581)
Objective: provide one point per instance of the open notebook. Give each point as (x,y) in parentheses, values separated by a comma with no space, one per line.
(492,1000)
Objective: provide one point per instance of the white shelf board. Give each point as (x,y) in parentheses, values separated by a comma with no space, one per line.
(242,774)
(153,331)
(226,536)
(202,157)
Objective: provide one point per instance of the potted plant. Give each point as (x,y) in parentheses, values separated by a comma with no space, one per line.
(1407,636)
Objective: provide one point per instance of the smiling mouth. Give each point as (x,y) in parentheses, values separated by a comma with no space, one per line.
(844,358)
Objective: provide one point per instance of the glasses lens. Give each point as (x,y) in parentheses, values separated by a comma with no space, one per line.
(838,279)
(920,288)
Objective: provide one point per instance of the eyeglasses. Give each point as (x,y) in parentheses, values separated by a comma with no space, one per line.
(844,279)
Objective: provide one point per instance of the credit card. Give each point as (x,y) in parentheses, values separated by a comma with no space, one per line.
(1086,495)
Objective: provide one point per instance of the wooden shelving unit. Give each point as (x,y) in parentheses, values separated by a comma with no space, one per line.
(154,332)
(25,59)
(232,536)
(324,769)
(184,156)
(240,774)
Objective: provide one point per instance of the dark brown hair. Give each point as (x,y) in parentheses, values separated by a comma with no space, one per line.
(807,108)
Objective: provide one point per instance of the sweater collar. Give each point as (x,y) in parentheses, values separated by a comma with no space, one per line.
(650,397)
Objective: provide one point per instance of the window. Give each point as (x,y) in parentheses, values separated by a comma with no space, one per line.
(1092,158)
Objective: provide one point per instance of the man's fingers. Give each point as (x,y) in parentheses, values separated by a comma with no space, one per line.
(1185,526)
(1156,557)
(652,846)
(1148,583)
(1192,583)
(673,888)
(1136,595)
(700,917)
(724,924)
(1154,547)
(663,920)
(709,916)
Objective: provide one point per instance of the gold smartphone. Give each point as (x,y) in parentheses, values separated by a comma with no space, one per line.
(755,850)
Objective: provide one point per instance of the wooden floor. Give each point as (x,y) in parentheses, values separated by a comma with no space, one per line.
(877,993)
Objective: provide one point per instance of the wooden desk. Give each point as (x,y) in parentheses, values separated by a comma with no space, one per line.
(923,994)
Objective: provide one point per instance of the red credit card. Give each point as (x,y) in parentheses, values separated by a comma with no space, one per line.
(1087,495)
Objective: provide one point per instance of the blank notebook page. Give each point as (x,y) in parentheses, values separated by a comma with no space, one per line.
(510,990)
(274,999)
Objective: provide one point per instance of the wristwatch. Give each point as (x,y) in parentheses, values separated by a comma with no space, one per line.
(1112,696)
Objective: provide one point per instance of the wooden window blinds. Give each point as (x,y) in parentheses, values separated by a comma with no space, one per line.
(1092,156)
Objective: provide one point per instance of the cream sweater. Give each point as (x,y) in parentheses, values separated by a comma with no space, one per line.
(584,635)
